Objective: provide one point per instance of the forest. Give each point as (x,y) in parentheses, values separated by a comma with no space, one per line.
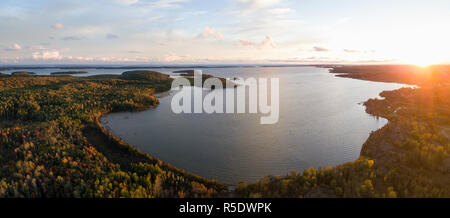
(52,144)
(406,74)
(409,157)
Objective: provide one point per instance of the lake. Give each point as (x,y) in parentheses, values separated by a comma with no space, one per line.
(321,123)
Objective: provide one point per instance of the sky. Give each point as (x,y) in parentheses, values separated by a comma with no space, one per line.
(224,32)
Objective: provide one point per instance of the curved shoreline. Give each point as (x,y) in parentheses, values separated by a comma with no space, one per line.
(227,187)
(143,155)
(166,93)
(100,155)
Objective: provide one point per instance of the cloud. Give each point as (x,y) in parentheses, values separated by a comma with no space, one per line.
(111,36)
(351,51)
(173,58)
(279,11)
(246,43)
(90,30)
(320,49)
(71,38)
(15,47)
(87,59)
(159,4)
(47,55)
(127,2)
(211,32)
(56,57)
(304,60)
(258,4)
(37,47)
(358,51)
(266,43)
(58,26)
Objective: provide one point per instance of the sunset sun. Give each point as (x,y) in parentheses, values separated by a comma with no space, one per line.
(423,63)
(422,59)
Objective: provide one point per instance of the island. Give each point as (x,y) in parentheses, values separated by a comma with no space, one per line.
(22,73)
(184,71)
(68,73)
(189,74)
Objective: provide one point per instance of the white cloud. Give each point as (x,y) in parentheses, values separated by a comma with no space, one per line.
(358,51)
(351,51)
(174,58)
(258,4)
(127,2)
(170,37)
(279,11)
(159,4)
(246,43)
(37,47)
(91,30)
(171,57)
(47,55)
(15,47)
(266,43)
(211,32)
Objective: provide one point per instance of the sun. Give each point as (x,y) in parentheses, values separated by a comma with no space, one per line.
(423,64)
(421,61)
(426,52)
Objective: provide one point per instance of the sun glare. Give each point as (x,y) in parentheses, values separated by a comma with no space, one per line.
(422,61)
(424,64)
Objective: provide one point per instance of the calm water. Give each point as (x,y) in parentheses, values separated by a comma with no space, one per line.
(321,124)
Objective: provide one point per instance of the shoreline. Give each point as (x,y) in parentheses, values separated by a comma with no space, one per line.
(136,152)
(91,150)
(167,93)
(108,131)
(393,168)
(401,159)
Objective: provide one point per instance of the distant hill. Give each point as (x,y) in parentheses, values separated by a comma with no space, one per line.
(105,76)
(184,71)
(408,74)
(144,75)
(68,72)
(22,73)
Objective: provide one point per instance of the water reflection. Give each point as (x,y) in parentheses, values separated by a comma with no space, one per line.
(320,124)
